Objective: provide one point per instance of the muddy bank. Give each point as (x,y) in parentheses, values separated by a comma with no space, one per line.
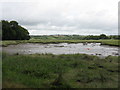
(62,48)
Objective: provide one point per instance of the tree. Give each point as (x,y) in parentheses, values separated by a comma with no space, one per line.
(103,36)
(13,31)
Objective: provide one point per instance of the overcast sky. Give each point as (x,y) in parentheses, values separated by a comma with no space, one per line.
(45,17)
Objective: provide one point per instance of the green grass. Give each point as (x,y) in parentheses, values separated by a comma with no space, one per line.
(104,42)
(59,71)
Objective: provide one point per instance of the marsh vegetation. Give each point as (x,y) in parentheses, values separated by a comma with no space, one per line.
(48,41)
(59,71)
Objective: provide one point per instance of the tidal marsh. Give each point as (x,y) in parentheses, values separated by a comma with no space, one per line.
(59,71)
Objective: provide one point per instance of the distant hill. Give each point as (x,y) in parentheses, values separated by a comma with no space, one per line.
(75,37)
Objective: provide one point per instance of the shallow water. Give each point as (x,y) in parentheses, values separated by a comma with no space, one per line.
(63,48)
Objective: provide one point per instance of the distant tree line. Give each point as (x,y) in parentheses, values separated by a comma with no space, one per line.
(13,31)
(76,37)
(102,36)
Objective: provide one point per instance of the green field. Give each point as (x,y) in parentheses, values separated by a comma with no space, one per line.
(46,41)
(59,71)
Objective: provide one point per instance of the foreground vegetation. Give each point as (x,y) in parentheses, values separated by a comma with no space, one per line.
(46,41)
(59,71)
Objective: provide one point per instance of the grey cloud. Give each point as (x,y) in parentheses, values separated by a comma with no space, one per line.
(60,18)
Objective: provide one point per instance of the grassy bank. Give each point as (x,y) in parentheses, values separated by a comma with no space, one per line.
(59,71)
(103,42)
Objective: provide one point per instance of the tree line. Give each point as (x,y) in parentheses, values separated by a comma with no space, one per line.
(13,31)
(77,37)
